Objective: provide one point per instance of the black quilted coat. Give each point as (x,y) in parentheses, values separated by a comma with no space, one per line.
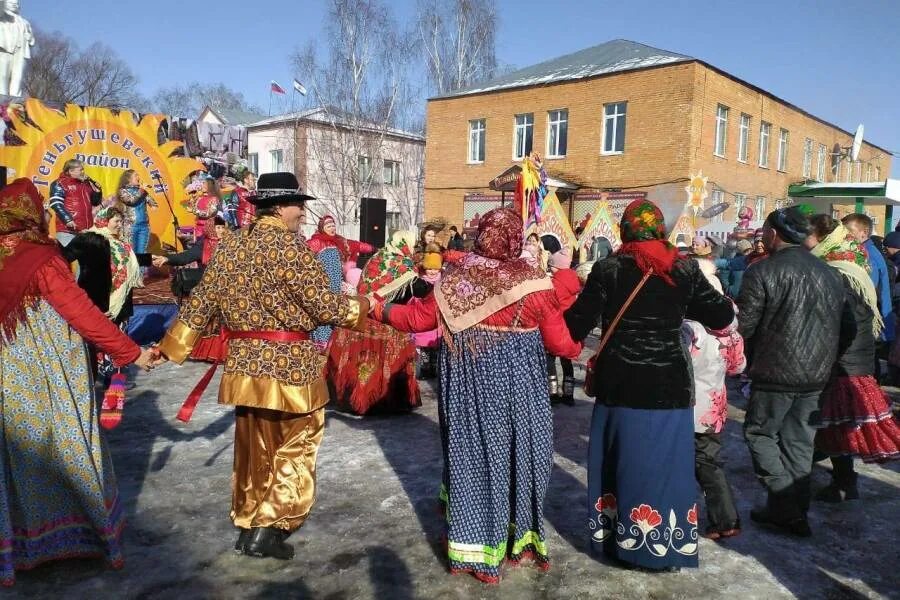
(791,306)
(644,365)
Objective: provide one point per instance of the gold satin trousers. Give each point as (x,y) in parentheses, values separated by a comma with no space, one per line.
(274,479)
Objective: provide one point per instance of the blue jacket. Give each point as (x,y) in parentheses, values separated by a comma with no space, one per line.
(879,273)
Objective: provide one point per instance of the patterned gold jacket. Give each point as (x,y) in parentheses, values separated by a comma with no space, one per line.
(265,280)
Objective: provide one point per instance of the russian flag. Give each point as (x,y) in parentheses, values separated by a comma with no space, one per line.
(276,88)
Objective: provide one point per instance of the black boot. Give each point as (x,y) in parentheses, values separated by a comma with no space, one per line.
(242,540)
(269,542)
(554,389)
(568,390)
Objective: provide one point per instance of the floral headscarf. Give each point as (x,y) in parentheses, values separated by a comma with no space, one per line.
(25,247)
(490,278)
(848,256)
(126,272)
(390,270)
(643,231)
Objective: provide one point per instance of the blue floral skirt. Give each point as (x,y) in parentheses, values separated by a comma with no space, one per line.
(641,490)
(497,433)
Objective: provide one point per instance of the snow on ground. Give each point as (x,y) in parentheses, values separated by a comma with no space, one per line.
(375,531)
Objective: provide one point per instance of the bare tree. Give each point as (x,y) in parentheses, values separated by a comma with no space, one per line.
(458,38)
(190,99)
(361,87)
(59,72)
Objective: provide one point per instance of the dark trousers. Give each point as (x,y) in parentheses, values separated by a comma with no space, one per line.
(842,472)
(720,509)
(780,438)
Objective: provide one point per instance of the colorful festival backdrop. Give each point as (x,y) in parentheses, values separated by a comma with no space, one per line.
(554,221)
(600,224)
(108,142)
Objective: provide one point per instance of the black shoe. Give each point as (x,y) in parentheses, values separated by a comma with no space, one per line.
(568,400)
(242,540)
(834,493)
(799,526)
(268,542)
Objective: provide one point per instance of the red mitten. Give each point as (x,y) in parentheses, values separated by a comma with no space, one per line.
(113,402)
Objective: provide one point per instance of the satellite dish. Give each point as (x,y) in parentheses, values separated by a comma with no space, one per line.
(857,143)
(715,209)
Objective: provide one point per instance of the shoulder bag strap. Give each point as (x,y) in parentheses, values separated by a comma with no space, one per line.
(615,322)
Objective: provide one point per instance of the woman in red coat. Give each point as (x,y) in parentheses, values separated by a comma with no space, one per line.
(327,236)
(498,314)
(58,496)
(566,288)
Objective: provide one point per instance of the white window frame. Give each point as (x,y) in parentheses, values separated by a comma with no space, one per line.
(807,157)
(744,138)
(253,162)
(612,120)
(522,129)
(718,197)
(561,117)
(836,170)
(477,131)
(784,140)
(394,170)
(877,172)
(760,208)
(820,166)
(858,175)
(363,168)
(868,172)
(765,135)
(849,171)
(276,159)
(721,131)
(740,201)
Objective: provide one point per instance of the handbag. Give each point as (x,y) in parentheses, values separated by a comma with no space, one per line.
(591,366)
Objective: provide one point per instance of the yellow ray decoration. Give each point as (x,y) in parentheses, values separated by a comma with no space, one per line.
(108,143)
(600,224)
(554,221)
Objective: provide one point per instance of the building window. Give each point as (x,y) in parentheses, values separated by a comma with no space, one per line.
(276,158)
(858,176)
(718,197)
(364,168)
(253,162)
(476,140)
(721,130)
(868,173)
(807,157)
(761,208)
(849,171)
(820,167)
(524,138)
(391,172)
(765,131)
(614,128)
(744,138)
(877,173)
(836,168)
(558,133)
(783,150)
(740,201)
(392,222)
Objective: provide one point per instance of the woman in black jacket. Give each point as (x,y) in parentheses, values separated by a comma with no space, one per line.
(856,417)
(641,462)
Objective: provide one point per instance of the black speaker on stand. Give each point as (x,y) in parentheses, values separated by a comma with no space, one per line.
(372,223)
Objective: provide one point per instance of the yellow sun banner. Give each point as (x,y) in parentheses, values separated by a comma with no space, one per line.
(108,143)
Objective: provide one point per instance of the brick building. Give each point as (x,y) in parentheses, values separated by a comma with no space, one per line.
(631,119)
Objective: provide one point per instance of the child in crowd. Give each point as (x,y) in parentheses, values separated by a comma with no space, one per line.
(566,287)
(427,342)
(714,354)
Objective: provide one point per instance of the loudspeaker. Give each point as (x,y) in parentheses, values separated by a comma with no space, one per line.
(372,221)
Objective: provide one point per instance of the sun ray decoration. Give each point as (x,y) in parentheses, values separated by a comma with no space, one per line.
(553,221)
(108,142)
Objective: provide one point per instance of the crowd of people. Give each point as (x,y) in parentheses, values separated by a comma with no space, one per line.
(802,312)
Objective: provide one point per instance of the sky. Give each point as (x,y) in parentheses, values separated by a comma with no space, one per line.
(837,59)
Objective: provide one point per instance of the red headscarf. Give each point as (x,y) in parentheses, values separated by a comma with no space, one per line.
(320,239)
(643,231)
(24,248)
(490,278)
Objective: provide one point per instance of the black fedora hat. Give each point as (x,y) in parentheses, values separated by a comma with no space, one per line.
(275,189)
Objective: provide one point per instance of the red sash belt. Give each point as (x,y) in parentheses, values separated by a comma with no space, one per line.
(187,409)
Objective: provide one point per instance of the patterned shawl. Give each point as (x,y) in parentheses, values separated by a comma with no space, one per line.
(849,257)
(126,272)
(24,248)
(492,277)
(643,231)
(392,269)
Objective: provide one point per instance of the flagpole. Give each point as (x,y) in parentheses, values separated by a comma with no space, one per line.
(270,100)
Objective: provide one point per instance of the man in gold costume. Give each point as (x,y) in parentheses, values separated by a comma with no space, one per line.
(268,292)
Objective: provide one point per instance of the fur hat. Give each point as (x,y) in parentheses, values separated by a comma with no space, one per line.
(561,259)
(432,258)
(743,246)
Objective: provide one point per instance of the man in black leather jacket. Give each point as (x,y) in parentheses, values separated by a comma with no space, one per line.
(790,316)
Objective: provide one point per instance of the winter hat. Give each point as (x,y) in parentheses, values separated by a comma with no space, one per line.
(791,223)
(325,220)
(892,240)
(743,246)
(561,259)
(700,246)
(432,258)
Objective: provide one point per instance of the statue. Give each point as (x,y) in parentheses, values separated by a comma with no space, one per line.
(16,40)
